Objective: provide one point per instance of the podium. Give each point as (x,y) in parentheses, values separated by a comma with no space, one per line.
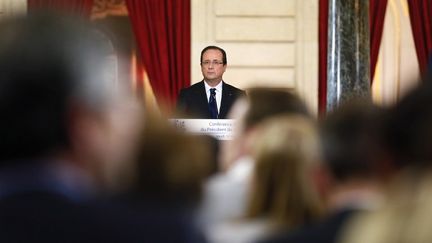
(222,129)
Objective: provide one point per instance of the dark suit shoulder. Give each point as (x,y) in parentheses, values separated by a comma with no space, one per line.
(49,217)
(189,93)
(325,231)
(192,101)
(196,86)
(233,91)
(232,88)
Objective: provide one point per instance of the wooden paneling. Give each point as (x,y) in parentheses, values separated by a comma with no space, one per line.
(264,55)
(253,77)
(255,7)
(255,29)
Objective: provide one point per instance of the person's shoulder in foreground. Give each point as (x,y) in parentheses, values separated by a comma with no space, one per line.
(325,231)
(61,148)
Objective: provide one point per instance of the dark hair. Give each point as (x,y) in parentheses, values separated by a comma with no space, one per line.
(171,165)
(46,62)
(409,129)
(269,102)
(351,140)
(224,57)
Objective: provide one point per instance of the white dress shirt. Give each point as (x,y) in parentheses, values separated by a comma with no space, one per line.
(218,93)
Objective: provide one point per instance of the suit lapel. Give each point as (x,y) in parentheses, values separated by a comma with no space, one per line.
(226,102)
(202,102)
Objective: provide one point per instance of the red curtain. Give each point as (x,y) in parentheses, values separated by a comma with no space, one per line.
(162,32)
(322,56)
(78,7)
(377,9)
(421,23)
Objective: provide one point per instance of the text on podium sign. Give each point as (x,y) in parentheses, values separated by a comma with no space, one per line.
(222,129)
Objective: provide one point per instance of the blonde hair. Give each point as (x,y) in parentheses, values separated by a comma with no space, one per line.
(281,190)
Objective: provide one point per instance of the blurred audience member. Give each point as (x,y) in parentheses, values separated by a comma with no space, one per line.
(281,194)
(348,179)
(68,130)
(171,167)
(214,148)
(263,103)
(63,137)
(406,215)
(226,193)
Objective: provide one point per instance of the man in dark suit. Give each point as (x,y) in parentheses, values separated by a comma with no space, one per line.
(211,98)
(64,140)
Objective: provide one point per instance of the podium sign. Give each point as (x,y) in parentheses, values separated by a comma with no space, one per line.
(222,129)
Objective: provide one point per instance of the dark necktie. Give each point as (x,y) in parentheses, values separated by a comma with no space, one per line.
(212,104)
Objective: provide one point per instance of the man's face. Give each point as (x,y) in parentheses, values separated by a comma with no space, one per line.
(212,67)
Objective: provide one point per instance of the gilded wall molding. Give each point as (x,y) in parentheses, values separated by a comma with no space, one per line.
(104,8)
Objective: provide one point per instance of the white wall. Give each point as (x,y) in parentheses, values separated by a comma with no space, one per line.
(12,7)
(268,43)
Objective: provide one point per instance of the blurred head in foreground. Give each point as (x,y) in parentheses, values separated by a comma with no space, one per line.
(406,215)
(281,190)
(171,165)
(259,105)
(351,140)
(58,100)
(352,151)
(409,130)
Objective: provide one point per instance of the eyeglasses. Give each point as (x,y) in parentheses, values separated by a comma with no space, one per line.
(215,63)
